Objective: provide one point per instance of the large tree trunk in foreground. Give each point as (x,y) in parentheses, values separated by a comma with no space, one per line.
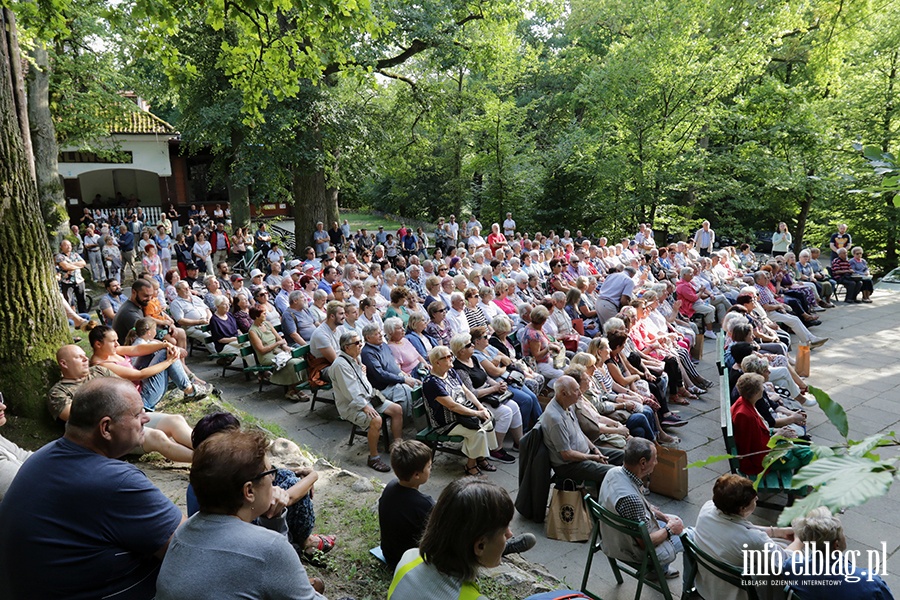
(46,150)
(31,319)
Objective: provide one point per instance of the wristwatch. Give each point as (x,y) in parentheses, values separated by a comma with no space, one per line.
(668,533)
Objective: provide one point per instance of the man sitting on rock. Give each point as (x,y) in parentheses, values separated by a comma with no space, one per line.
(170,435)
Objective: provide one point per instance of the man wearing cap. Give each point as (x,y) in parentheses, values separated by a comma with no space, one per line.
(363,241)
(191,277)
(256,280)
(238,289)
(381,236)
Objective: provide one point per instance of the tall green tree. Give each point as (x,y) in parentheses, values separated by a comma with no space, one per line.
(30,312)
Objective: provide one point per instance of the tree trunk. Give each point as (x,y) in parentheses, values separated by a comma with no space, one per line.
(332,209)
(46,150)
(805,206)
(238,195)
(239,201)
(890,250)
(311,201)
(31,318)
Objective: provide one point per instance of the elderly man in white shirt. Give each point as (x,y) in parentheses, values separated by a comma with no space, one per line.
(191,313)
(456,316)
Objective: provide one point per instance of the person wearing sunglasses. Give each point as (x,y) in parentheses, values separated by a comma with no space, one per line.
(218,552)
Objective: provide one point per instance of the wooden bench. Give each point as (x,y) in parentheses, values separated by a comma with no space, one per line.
(430,436)
(250,365)
(720,353)
(773,482)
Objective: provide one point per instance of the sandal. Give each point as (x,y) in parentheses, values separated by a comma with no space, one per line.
(473,471)
(379,465)
(484,465)
(679,400)
(673,441)
(323,544)
(696,390)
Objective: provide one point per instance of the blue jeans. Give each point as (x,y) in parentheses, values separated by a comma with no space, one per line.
(153,388)
(642,424)
(528,405)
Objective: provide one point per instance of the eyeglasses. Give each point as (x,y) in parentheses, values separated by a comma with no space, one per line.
(470,345)
(440,310)
(263,474)
(356,343)
(446,356)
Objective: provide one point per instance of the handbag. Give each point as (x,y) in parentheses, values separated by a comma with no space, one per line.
(495,400)
(802,363)
(670,477)
(516,378)
(568,519)
(467,421)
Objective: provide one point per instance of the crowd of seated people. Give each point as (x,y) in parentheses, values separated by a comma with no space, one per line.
(490,330)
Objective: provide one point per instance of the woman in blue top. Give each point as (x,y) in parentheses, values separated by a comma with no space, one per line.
(164,244)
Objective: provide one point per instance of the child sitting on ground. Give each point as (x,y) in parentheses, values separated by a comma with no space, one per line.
(402,508)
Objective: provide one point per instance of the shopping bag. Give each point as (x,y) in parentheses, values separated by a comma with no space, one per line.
(802,364)
(568,519)
(670,477)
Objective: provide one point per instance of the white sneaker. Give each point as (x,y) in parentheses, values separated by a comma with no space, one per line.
(808,401)
(709,335)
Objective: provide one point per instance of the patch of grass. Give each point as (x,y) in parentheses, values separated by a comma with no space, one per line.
(371,222)
(351,570)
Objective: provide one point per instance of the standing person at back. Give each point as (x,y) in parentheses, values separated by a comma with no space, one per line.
(77,522)
(705,239)
(840,239)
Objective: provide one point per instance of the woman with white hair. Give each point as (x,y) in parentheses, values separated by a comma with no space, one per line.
(406,355)
(805,273)
(819,542)
(507,415)
(488,308)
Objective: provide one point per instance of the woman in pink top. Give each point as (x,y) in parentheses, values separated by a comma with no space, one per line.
(408,358)
(151,262)
(502,300)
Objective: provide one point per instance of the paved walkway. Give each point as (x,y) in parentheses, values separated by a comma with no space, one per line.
(858,367)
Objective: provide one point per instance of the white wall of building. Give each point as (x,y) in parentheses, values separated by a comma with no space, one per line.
(149,153)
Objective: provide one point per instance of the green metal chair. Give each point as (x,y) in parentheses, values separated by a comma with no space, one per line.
(725,572)
(639,570)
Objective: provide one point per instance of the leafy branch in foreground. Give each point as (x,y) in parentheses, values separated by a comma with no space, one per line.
(840,476)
